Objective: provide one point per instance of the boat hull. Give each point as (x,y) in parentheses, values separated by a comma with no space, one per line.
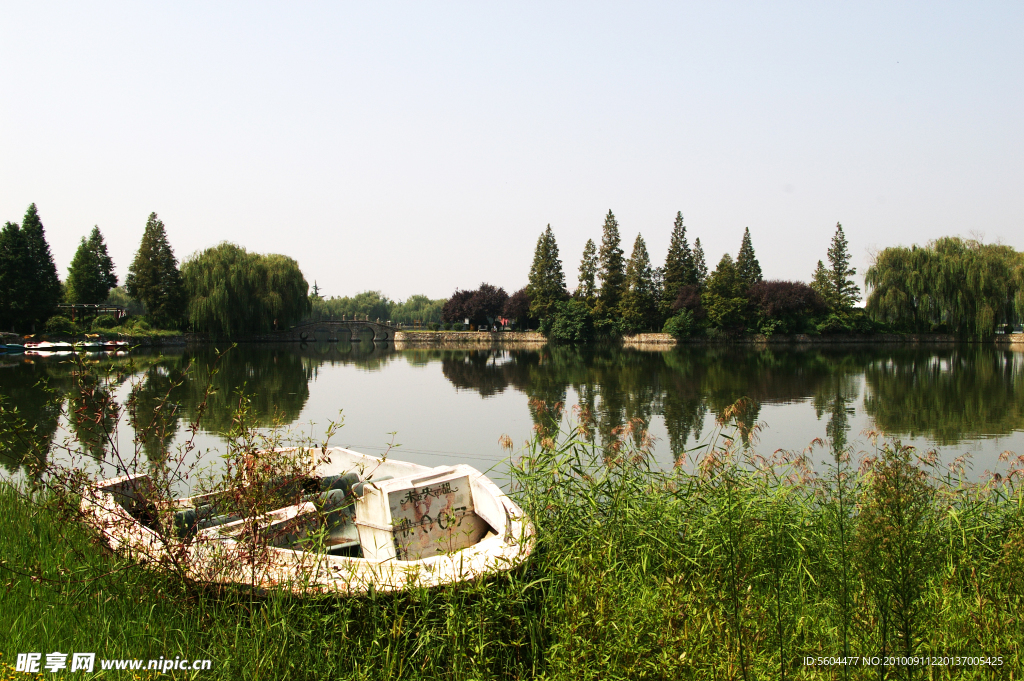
(216,555)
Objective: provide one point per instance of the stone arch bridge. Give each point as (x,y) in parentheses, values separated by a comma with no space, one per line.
(310,332)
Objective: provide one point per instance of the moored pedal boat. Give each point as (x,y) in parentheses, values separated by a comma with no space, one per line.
(360,523)
(47,346)
(90,346)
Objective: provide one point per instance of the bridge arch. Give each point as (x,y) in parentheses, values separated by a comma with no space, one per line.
(309,331)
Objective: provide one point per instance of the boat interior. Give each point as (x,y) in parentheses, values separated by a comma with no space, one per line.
(323,513)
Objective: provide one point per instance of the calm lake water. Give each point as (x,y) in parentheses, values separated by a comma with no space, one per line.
(451,406)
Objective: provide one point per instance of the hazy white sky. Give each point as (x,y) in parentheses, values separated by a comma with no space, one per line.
(420,147)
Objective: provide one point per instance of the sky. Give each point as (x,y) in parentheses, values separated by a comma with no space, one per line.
(423,147)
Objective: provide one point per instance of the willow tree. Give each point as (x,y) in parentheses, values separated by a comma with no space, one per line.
(963,286)
(232,291)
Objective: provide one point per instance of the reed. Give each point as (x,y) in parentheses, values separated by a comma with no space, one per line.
(727,566)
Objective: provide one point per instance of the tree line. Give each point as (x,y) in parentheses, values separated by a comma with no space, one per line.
(952,285)
(222,290)
(375,305)
(619,295)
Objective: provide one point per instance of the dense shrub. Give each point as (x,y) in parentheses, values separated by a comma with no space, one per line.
(517,307)
(59,325)
(572,323)
(104,321)
(785,306)
(688,298)
(455,309)
(481,307)
(682,324)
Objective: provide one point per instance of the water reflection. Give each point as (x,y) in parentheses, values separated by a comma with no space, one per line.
(275,379)
(947,395)
(34,410)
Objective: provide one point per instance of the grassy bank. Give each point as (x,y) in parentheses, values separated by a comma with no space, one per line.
(728,567)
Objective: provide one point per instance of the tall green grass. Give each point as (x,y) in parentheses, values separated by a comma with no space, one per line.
(727,566)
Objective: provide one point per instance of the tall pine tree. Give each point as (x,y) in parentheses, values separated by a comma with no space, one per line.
(99,247)
(91,274)
(84,283)
(587,289)
(821,284)
(46,288)
(15,278)
(612,272)
(832,282)
(747,267)
(845,292)
(700,268)
(154,279)
(679,268)
(637,308)
(546,286)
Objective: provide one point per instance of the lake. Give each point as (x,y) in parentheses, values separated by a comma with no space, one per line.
(444,406)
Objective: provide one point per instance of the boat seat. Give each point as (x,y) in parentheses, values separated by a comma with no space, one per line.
(188,521)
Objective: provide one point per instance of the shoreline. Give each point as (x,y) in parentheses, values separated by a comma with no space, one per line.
(485,339)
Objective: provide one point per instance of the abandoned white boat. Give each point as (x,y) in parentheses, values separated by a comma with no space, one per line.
(360,523)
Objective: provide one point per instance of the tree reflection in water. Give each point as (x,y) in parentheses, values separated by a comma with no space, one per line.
(946,394)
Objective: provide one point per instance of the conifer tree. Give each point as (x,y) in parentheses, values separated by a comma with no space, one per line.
(747,267)
(845,292)
(723,297)
(612,272)
(83,285)
(587,289)
(546,286)
(153,277)
(637,308)
(700,268)
(679,268)
(91,274)
(15,278)
(821,284)
(831,283)
(106,265)
(42,272)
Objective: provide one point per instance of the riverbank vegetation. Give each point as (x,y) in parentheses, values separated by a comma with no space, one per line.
(951,285)
(223,291)
(726,565)
(417,310)
(618,295)
(956,286)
